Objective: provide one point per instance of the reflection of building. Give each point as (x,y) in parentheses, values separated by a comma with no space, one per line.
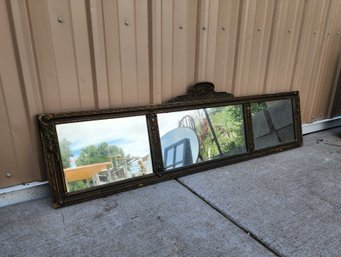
(137,166)
(178,154)
(124,168)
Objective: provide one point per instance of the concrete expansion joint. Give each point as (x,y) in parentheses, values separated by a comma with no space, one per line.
(230,219)
(63,217)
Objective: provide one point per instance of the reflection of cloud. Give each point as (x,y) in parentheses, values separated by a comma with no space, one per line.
(129,133)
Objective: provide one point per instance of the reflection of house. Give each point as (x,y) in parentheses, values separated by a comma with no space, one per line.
(124,168)
(137,166)
(178,154)
(131,165)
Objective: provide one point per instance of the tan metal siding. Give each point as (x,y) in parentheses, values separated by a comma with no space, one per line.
(173,47)
(254,41)
(226,44)
(327,67)
(288,18)
(61,55)
(309,53)
(18,156)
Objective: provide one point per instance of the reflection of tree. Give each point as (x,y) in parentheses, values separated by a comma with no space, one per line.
(258,107)
(97,154)
(65,152)
(204,134)
(227,125)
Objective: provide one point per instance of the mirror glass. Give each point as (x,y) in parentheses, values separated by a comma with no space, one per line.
(272,123)
(193,136)
(104,151)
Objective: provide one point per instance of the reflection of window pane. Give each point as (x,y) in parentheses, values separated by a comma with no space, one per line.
(179,153)
(178,165)
(272,123)
(169,157)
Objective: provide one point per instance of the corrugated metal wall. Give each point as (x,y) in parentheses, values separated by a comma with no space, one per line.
(61,55)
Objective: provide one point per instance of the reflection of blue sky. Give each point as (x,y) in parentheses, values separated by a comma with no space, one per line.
(129,133)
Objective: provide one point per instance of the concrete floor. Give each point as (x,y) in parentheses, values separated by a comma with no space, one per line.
(287,204)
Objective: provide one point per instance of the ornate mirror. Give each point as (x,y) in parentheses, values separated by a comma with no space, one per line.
(96,153)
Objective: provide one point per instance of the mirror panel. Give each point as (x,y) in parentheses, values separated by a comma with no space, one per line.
(103,151)
(194,136)
(272,123)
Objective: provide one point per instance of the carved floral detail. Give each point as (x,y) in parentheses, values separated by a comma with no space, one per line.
(203,90)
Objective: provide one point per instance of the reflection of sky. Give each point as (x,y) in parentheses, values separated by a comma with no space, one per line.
(129,133)
(170,120)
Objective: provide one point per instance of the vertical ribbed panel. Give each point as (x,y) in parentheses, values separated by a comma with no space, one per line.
(174,44)
(16,158)
(327,67)
(86,54)
(285,39)
(254,42)
(309,53)
(226,44)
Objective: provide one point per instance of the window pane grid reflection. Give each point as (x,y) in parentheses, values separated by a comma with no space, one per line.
(272,123)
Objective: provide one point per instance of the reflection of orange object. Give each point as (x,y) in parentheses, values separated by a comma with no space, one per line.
(84,172)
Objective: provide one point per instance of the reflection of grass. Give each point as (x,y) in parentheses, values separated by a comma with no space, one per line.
(227,124)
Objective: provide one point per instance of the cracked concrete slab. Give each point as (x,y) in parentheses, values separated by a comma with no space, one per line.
(160,220)
(291,201)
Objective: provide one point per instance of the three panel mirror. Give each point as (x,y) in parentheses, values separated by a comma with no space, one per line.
(93,154)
